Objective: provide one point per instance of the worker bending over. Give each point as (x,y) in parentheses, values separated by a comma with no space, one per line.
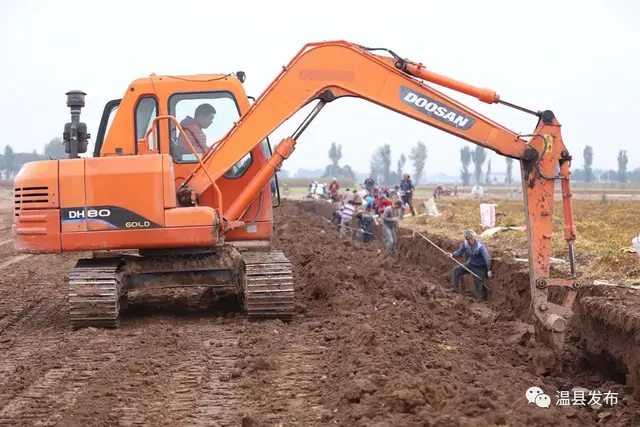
(478,261)
(365,226)
(380,204)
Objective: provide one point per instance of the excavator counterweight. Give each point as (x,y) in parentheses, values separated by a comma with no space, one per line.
(177,191)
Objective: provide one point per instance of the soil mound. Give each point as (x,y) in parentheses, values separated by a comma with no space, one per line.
(403,352)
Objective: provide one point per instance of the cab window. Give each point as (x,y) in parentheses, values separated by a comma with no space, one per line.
(108,115)
(205,118)
(112,115)
(146,111)
(266,148)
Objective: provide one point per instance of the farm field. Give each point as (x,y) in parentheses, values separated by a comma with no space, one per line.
(605,233)
(297,190)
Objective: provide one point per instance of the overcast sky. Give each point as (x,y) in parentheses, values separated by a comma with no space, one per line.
(579,59)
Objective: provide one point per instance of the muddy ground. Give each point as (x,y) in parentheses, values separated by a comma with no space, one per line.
(376,342)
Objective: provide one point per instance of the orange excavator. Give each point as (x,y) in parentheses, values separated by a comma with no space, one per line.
(158,208)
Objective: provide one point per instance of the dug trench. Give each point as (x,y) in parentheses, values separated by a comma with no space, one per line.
(405,352)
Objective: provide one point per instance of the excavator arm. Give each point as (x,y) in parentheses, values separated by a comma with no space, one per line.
(336,69)
(330,70)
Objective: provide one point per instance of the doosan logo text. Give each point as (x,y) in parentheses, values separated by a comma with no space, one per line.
(433,109)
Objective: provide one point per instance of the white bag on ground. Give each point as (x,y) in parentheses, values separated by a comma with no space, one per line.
(488,215)
(477,191)
(431,208)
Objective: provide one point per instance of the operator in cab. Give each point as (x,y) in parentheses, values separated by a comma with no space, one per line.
(478,261)
(194,128)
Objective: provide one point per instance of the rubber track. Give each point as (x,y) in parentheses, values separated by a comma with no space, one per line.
(268,290)
(94,294)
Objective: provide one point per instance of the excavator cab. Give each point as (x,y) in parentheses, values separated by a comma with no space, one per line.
(180,97)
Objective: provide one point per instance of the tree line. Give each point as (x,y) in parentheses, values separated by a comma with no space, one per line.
(383,171)
(622,174)
(11,161)
(585,174)
(381,166)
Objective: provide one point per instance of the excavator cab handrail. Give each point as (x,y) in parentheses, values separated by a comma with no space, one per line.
(152,129)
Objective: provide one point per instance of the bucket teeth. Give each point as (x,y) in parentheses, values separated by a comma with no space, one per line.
(94,294)
(268,290)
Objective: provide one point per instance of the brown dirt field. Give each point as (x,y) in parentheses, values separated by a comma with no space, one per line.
(375,343)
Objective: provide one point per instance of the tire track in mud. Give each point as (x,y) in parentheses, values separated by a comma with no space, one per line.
(34,315)
(209,386)
(31,298)
(33,327)
(34,336)
(14,259)
(50,374)
(202,393)
(10,319)
(17,361)
(170,376)
(45,400)
(285,367)
(300,366)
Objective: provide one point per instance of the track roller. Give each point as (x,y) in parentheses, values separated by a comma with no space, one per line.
(94,294)
(268,286)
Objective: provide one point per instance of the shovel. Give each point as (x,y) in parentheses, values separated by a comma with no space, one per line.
(482,280)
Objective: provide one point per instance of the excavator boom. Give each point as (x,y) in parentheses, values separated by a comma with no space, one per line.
(336,69)
(330,70)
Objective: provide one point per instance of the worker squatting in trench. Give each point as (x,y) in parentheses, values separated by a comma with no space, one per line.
(371,205)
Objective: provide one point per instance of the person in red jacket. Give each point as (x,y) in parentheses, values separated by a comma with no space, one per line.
(380,203)
(333,190)
(194,128)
